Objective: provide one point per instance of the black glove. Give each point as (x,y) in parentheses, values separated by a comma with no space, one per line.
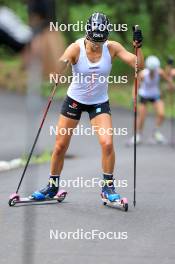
(170,60)
(137,36)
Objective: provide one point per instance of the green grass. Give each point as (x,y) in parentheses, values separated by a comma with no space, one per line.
(9,65)
(40,159)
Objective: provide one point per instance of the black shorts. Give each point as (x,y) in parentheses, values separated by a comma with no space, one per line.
(73,109)
(145,100)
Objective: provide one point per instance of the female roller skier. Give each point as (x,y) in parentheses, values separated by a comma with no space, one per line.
(92,54)
(149,92)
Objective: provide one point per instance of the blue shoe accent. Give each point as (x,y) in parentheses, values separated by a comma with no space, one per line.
(113,197)
(109,192)
(38,196)
(48,192)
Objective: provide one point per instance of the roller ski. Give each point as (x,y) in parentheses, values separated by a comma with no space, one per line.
(16,199)
(111,198)
(47,194)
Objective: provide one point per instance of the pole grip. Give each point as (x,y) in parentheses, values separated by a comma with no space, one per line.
(135,28)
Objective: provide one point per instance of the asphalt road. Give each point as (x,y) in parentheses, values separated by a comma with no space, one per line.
(25,230)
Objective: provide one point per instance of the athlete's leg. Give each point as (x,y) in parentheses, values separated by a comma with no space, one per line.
(142,112)
(160,112)
(65,128)
(68,120)
(103,123)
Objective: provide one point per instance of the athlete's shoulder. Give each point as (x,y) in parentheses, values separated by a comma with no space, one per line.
(71,53)
(74,46)
(114,47)
(113,44)
(74,50)
(80,41)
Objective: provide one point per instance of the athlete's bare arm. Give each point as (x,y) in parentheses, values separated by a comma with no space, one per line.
(117,50)
(70,56)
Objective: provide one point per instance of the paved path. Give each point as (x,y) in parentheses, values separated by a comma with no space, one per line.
(25,230)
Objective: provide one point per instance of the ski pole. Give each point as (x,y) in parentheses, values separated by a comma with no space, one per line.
(135,116)
(50,99)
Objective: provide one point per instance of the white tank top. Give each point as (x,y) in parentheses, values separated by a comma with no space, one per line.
(150,87)
(89,84)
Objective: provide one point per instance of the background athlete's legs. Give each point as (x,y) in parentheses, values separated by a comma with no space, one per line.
(104,122)
(159,109)
(62,143)
(160,112)
(142,112)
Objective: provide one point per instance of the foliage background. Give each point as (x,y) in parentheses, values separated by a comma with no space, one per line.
(156,19)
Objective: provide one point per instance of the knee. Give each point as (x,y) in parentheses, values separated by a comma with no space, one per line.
(161,115)
(107,147)
(60,148)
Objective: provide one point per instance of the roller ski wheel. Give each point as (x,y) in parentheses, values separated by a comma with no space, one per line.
(61,195)
(121,203)
(16,199)
(124,201)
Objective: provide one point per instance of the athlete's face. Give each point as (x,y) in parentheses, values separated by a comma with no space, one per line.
(96,45)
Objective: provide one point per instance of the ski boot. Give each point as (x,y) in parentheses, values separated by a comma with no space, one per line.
(49,191)
(111,198)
